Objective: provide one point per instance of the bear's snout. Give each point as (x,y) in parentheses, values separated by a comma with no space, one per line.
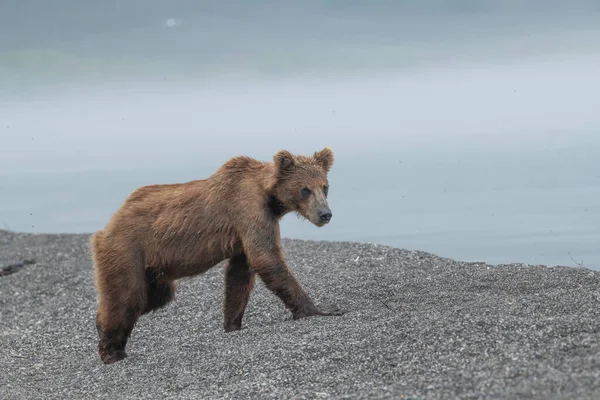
(325,215)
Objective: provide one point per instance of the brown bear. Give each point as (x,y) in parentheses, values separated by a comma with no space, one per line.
(165,232)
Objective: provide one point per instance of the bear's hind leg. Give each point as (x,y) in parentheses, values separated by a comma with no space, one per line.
(239,282)
(122,295)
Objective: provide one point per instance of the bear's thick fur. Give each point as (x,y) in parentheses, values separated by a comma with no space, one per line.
(166,232)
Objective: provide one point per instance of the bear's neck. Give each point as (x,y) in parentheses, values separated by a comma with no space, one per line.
(276,207)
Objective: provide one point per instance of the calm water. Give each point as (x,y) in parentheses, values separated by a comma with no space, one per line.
(497,163)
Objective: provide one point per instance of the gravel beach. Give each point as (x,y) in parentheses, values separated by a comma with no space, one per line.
(418,327)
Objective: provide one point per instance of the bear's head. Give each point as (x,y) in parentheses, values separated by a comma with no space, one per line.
(302,184)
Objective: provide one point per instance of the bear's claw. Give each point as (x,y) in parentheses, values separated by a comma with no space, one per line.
(333,311)
(320,312)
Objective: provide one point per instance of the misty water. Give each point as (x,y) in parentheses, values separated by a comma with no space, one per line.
(492,159)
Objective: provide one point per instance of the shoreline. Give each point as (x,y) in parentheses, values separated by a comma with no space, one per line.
(4,233)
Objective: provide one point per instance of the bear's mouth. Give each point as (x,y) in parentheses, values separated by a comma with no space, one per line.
(317,222)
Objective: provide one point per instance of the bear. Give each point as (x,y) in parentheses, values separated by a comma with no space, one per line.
(165,232)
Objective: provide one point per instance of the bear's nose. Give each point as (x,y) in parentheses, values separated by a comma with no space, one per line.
(325,216)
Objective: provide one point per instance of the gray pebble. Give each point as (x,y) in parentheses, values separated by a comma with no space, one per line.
(418,326)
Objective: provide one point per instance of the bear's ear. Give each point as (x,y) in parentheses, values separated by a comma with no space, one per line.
(324,158)
(284,160)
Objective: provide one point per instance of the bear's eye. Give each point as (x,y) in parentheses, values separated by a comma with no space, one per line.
(305,192)
(325,190)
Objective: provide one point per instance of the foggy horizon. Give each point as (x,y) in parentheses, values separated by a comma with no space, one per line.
(82,42)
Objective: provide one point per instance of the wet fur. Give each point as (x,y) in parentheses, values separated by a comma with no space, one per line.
(166,232)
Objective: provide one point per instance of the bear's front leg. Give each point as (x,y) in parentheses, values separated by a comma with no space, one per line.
(278,278)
